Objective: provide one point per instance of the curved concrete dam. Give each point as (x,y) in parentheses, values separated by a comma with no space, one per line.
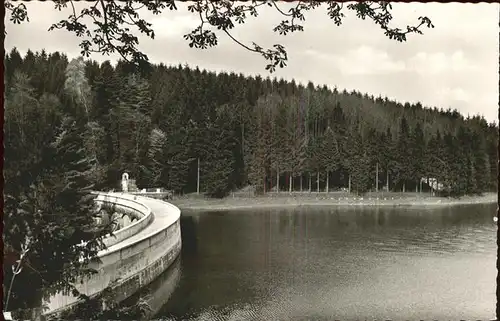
(135,255)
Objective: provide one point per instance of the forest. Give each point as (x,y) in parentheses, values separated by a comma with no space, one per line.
(159,123)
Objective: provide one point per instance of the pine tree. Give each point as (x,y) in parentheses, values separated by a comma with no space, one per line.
(259,160)
(295,142)
(330,154)
(482,164)
(462,169)
(433,164)
(417,152)
(403,167)
(442,161)
(105,102)
(79,91)
(389,157)
(359,166)
(152,170)
(492,148)
(175,159)
(217,181)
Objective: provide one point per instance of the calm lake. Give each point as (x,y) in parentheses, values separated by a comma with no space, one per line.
(324,264)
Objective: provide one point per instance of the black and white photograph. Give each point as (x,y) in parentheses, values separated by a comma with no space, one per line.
(250,160)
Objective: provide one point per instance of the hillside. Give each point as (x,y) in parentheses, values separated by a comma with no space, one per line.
(156,124)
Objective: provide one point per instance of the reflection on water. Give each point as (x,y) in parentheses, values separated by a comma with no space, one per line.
(344,263)
(159,291)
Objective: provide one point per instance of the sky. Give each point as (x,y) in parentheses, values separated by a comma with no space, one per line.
(454,65)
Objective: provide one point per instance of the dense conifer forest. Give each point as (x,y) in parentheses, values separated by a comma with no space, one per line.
(160,122)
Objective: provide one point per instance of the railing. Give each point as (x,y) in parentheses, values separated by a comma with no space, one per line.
(157,195)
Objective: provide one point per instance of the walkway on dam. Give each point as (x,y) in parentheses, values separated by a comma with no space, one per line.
(161,219)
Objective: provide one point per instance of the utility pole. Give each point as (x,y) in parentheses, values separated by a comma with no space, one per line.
(198,180)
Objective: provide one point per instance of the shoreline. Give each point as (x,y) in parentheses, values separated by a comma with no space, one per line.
(286,200)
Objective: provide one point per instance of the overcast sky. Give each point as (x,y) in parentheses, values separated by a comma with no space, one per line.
(453,65)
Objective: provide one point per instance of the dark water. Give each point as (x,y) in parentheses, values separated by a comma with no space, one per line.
(322,264)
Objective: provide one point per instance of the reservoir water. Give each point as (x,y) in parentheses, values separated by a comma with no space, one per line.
(325,264)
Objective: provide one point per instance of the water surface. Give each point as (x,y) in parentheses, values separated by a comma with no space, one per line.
(322,264)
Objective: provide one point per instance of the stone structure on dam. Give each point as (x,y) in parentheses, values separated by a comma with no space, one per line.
(136,254)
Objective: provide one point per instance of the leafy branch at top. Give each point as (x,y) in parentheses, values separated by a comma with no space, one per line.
(113,20)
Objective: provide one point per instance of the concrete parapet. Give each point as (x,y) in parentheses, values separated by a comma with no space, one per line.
(131,207)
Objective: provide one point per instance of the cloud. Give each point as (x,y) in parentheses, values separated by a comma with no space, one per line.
(454,94)
(176,26)
(453,65)
(428,64)
(363,60)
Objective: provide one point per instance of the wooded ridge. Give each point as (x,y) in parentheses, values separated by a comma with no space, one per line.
(159,123)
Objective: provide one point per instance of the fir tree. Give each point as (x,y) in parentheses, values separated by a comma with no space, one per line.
(330,154)
(54,215)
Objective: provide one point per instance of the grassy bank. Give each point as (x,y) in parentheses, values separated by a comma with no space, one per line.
(297,199)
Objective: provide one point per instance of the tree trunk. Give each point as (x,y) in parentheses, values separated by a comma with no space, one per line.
(198,178)
(416,186)
(388,188)
(317,181)
(376,179)
(290,182)
(349,188)
(242,138)
(327,179)
(404,187)
(277,179)
(301,183)
(310,182)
